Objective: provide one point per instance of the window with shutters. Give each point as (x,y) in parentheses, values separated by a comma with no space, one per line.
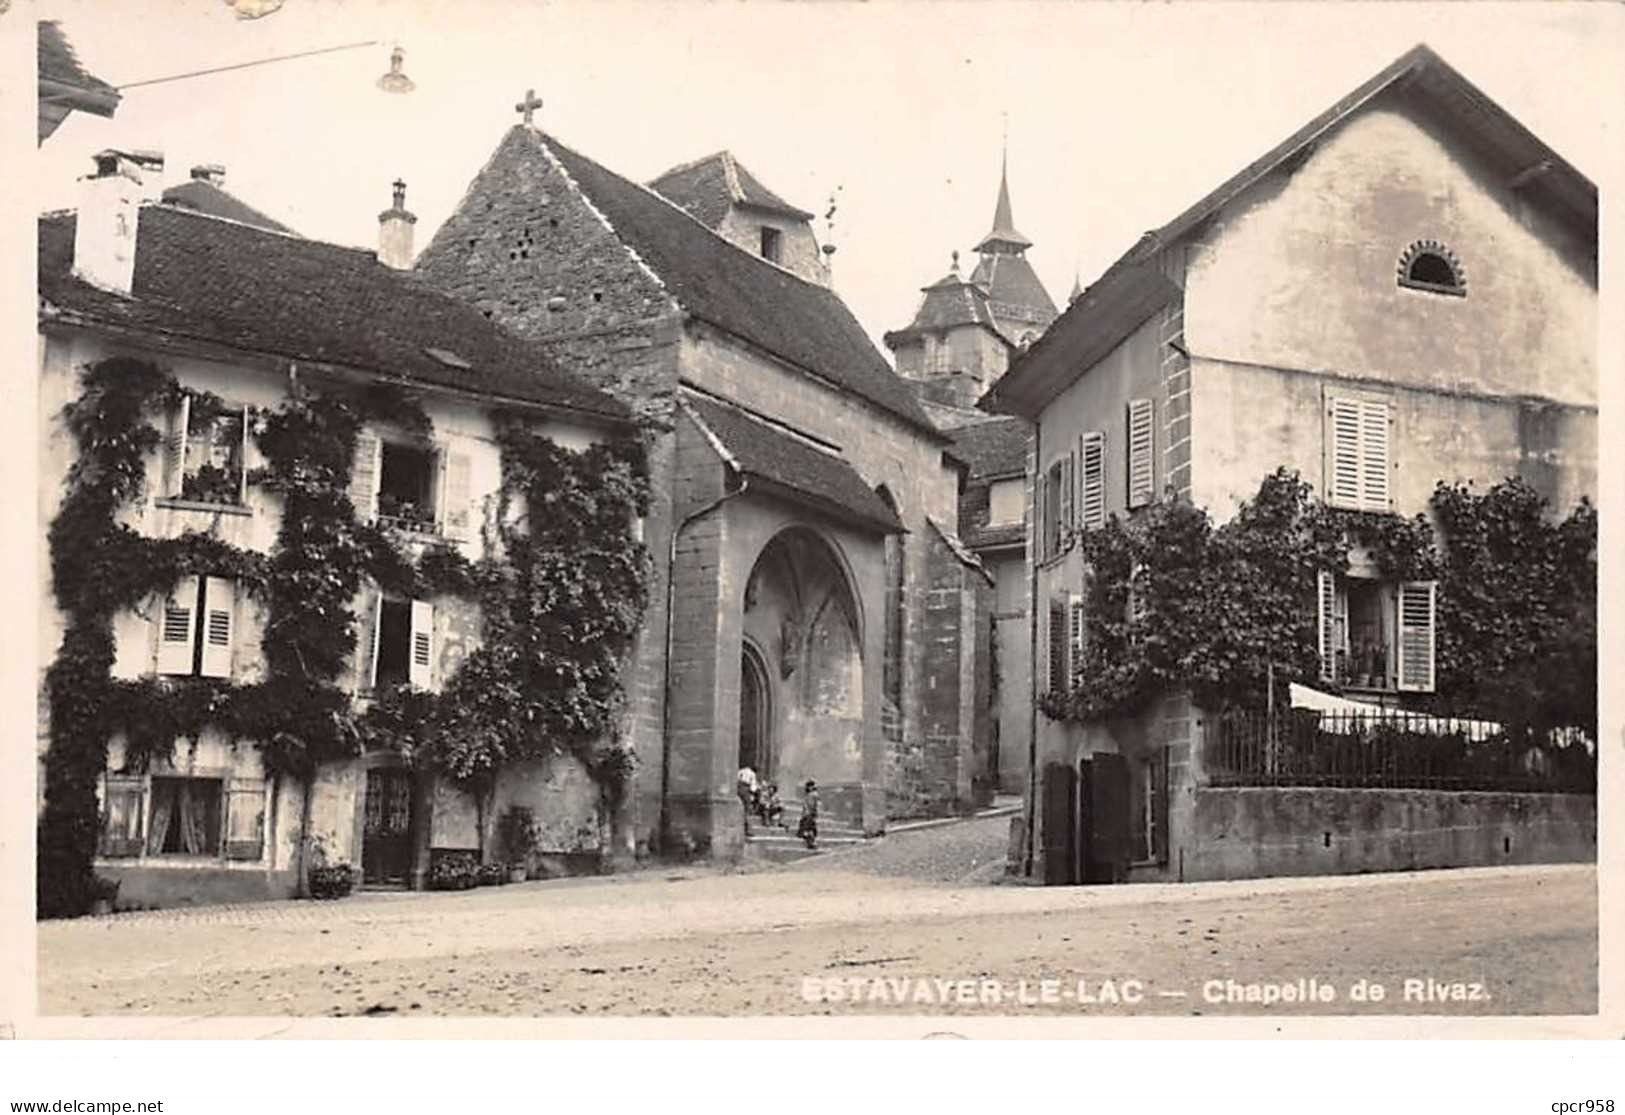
(1359,436)
(406,487)
(197,628)
(1092,469)
(167,814)
(205,453)
(1375,635)
(1076,633)
(403,643)
(1141,439)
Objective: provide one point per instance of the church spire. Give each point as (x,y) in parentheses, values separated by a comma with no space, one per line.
(1004,236)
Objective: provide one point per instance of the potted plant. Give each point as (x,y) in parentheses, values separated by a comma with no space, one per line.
(492,874)
(454,870)
(329,880)
(518,833)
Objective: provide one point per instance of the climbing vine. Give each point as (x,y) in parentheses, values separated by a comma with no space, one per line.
(549,669)
(1170,601)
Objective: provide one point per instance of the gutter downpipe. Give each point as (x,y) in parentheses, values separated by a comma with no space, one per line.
(1032,653)
(665,701)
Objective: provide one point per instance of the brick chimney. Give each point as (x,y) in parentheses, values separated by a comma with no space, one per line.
(212,173)
(395,232)
(109,208)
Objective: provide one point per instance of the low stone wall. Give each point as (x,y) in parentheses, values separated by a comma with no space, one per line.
(165,887)
(1255,833)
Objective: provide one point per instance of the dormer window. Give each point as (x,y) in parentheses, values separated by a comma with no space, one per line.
(1429,265)
(772,240)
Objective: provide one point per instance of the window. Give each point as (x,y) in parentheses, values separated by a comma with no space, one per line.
(189,815)
(412,487)
(1054,512)
(402,644)
(1140,444)
(186,816)
(771,239)
(198,627)
(1092,452)
(1077,632)
(204,452)
(1006,501)
(1357,452)
(1375,635)
(940,356)
(406,487)
(1429,265)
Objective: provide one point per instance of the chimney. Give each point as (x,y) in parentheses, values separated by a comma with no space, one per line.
(109,207)
(212,173)
(395,232)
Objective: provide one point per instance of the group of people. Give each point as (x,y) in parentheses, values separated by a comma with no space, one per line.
(762,800)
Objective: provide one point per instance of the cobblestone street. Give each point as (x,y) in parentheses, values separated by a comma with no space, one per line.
(913,906)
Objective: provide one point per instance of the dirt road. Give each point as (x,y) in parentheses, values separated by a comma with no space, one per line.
(856,932)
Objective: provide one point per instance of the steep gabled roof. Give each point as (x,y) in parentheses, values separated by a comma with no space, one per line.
(206,197)
(1134,287)
(204,279)
(707,188)
(802,323)
(811,474)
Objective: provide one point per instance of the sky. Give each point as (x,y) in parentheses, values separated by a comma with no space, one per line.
(1118,115)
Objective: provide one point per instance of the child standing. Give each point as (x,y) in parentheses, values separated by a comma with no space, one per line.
(808,828)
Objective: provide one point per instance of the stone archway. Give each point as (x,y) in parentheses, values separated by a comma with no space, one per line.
(800,610)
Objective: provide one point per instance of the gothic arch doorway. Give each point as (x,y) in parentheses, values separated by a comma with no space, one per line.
(801,661)
(755,712)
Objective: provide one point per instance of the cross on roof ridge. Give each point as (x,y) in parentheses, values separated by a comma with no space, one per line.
(529,105)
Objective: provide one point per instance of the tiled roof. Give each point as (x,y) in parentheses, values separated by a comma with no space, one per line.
(206,197)
(1131,288)
(814,474)
(800,322)
(707,188)
(995,448)
(948,302)
(58,63)
(1011,281)
(215,281)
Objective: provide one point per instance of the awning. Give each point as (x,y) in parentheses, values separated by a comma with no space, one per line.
(1304,697)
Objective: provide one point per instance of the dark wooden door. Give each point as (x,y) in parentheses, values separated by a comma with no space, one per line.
(386,840)
(1060,793)
(754,744)
(1107,819)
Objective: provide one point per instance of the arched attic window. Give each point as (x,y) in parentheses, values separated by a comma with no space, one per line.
(1429,265)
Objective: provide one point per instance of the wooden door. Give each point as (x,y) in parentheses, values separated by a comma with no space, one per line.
(1060,793)
(386,840)
(1107,822)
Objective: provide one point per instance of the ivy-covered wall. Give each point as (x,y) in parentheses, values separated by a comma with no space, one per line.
(557,590)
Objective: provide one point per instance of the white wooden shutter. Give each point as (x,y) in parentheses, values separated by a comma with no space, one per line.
(1417,601)
(175,447)
(219,626)
(1374,456)
(454,495)
(1093,452)
(178,628)
(1069,502)
(1075,615)
(123,814)
(245,819)
(419,669)
(1343,479)
(242,462)
(364,475)
(1141,442)
(366,644)
(1326,600)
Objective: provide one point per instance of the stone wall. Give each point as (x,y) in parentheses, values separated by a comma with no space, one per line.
(1254,833)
